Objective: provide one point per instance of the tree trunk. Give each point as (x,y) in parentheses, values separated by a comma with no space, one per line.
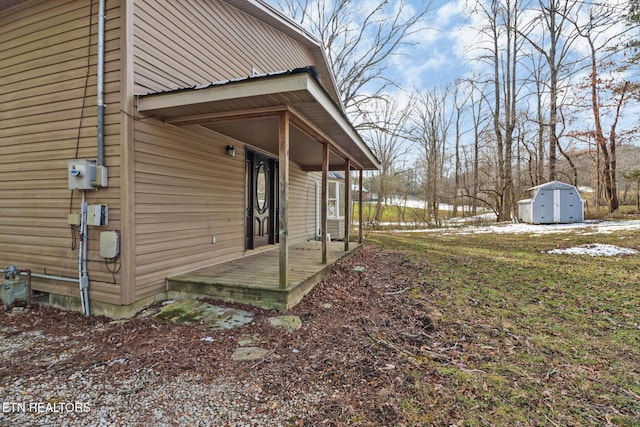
(496,120)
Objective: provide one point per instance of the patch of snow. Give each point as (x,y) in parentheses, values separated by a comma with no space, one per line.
(595,249)
(588,227)
(422,204)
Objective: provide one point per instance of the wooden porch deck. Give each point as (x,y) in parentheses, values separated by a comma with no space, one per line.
(254,278)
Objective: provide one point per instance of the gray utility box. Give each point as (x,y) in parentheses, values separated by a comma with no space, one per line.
(13,290)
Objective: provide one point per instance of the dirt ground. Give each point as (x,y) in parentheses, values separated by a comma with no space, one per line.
(358,327)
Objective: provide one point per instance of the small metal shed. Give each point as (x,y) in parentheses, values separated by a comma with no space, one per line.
(552,203)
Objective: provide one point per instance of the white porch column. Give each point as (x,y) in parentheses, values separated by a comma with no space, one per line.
(283,199)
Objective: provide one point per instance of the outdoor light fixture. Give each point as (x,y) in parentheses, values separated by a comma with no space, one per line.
(231,151)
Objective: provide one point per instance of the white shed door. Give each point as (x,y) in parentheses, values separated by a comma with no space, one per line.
(556,205)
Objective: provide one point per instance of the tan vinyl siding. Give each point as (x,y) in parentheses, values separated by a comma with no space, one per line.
(335,227)
(187,191)
(302,204)
(43,67)
(183,43)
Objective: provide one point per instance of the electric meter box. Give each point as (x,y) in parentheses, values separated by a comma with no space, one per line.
(82,174)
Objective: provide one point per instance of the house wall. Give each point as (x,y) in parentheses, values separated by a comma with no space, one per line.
(180,44)
(302,204)
(44,84)
(335,228)
(186,189)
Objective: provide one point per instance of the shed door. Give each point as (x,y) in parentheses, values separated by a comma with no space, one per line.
(557,205)
(571,207)
(543,207)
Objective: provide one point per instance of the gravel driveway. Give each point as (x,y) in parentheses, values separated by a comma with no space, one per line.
(61,369)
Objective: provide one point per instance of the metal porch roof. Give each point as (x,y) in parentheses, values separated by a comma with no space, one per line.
(247,110)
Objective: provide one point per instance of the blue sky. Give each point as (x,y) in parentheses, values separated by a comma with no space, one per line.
(438,55)
(443,50)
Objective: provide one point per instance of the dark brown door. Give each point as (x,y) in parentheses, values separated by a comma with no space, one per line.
(261,204)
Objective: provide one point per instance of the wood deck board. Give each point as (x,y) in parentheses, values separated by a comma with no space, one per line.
(254,279)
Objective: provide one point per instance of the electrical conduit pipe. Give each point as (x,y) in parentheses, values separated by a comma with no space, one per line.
(82,258)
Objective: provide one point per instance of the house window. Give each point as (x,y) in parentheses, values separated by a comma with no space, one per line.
(335,199)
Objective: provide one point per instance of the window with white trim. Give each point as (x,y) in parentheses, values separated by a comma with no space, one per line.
(335,197)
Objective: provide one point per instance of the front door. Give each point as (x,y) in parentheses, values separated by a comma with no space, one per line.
(261,203)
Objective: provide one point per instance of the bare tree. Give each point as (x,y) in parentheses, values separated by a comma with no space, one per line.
(502,54)
(433,119)
(460,103)
(538,76)
(631,46)
(596,32)
(555,46)
(477,101)
(634,177)
(387,141)
(359,42)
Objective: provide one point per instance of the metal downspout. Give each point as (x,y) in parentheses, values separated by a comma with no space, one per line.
(82,255)
(100,82)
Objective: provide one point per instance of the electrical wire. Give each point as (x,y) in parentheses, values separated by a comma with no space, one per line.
(116,267)
(74,237)
(84,102)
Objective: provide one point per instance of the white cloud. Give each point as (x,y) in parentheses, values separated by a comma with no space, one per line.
(450,11)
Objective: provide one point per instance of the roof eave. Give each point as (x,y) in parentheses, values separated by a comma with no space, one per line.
(165,104)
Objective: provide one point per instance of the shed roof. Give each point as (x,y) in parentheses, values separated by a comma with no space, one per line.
(554,185)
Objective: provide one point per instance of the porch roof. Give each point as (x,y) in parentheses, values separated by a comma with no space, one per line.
(248,110)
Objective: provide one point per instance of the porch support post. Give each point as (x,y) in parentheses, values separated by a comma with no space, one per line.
(283,199)
(360,207)
(347,203)
(323,203)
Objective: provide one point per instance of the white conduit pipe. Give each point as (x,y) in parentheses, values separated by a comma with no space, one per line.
(48,276)
(82,258)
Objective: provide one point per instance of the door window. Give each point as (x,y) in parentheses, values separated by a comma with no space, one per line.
(261,188)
